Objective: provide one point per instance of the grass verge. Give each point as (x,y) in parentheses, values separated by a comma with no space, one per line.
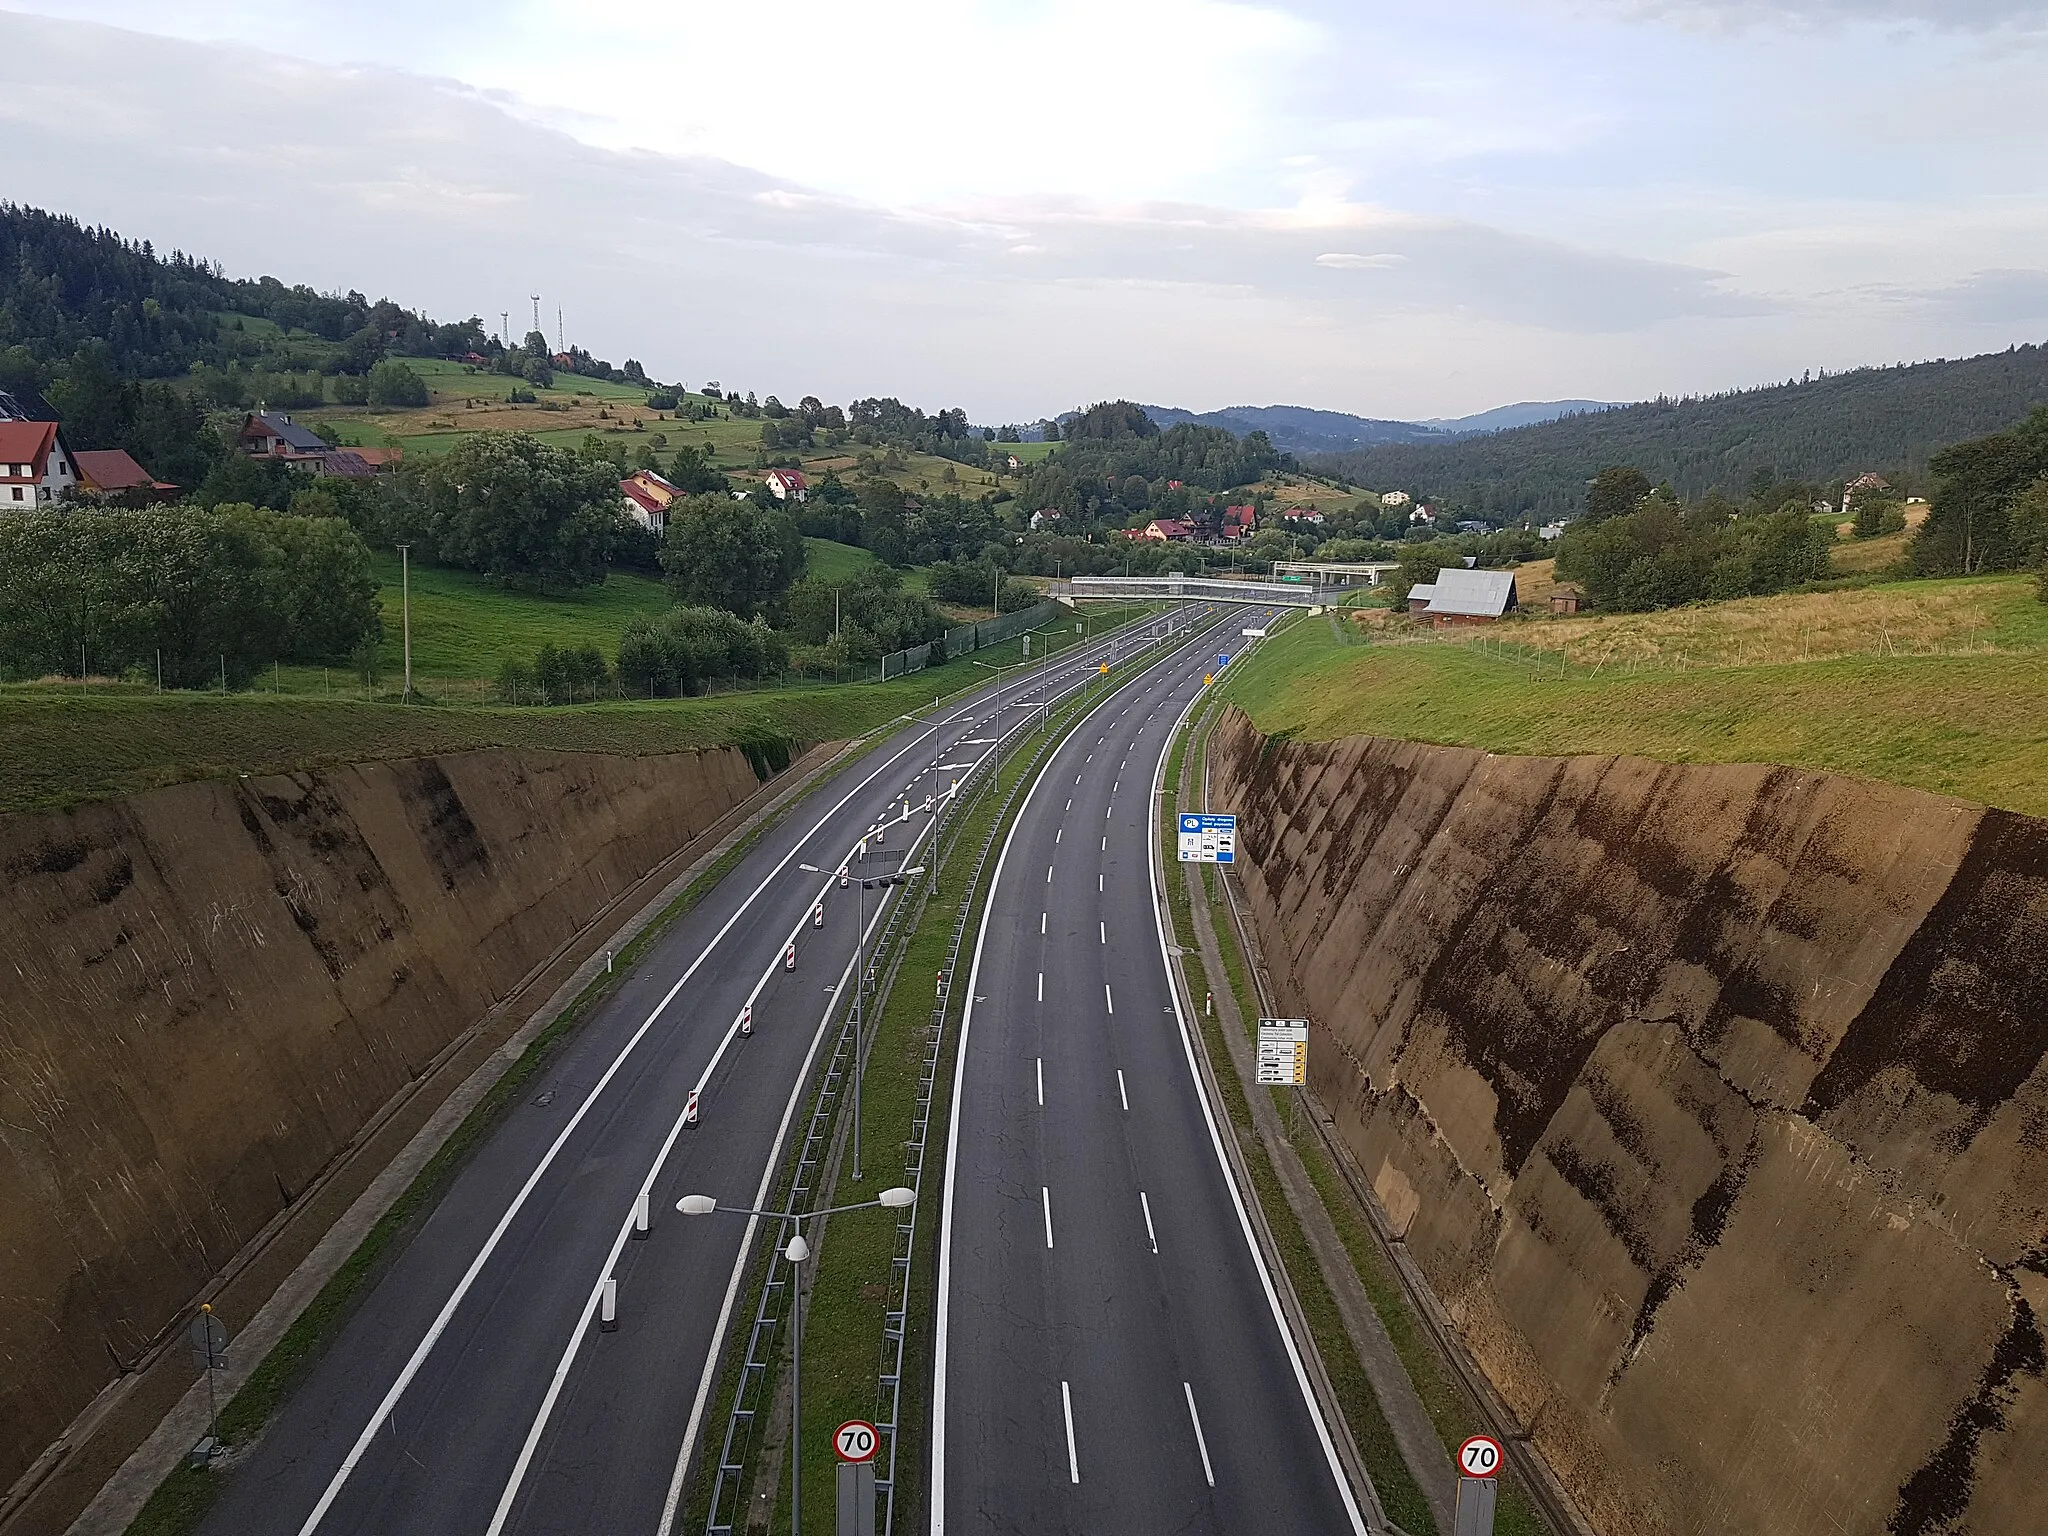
(1697,685)
(66,746)
(1370,1432)
(1451,1411)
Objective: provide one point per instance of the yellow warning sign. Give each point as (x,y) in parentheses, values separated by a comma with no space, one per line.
(1208,678)
(1103,668)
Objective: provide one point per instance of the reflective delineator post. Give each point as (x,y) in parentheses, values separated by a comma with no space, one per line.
(881,835)
(844,877)
(608,1306)
(789,958)
(641,1217)
(690,1110)
(746,1023)
(818,915)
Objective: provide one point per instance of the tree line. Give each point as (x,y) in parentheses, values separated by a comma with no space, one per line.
(1817,429)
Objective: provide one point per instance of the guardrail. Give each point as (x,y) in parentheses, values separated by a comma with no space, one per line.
(751,1400)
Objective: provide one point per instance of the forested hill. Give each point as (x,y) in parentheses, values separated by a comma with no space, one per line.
(64,285)
(1820,430)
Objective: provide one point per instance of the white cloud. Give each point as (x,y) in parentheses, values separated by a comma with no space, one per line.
(1022,205)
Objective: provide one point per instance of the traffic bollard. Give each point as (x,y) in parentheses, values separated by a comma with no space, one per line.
(818,915)
(746,1019)
(640,1216)
(690,1110)
(608,1306)
(789,958)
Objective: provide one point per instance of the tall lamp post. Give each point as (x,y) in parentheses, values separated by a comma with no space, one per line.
(405,607)
(860,931)
(797,1250)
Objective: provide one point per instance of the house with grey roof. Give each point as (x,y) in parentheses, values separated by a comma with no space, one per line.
(1460,596)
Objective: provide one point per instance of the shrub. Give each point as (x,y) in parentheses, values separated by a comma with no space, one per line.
(394,383)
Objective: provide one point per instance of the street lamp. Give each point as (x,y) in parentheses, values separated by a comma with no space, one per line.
(796,1251)
(860,930)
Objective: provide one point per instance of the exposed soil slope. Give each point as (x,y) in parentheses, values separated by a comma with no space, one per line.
(212,988)
(1712,1101)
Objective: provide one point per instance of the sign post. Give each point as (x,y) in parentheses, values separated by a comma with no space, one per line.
(1283,1052)
(1206,839)
(1479,1461)
(855,1443)
(208,1337)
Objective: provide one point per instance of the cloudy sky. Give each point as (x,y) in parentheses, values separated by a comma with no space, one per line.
(1399,209)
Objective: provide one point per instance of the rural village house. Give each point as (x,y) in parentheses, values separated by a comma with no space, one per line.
(788,485)
(35,470)
(647,497)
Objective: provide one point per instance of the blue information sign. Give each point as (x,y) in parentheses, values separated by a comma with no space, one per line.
(1206,839)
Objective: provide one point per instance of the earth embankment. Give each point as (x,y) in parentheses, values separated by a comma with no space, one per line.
(212,989)
(1711,1100)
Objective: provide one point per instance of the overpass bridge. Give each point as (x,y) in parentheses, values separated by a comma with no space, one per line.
(1193,589)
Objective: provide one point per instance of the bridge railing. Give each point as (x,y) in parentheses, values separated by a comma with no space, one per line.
(1209,589)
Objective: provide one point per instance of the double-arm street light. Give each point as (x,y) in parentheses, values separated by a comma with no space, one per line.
(797,1250)
(860,931)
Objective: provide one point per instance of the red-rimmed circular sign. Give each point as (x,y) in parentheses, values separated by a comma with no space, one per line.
(1479,1456)
(856,1440)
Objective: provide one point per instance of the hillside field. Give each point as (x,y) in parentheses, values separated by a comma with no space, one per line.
(465,399)
(1938,685)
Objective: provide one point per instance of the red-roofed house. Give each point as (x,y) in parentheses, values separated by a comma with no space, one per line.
(1302,515)
(34,468)
(647,498)
(788,485)
(1238,522)
(112,473)
(1166,530)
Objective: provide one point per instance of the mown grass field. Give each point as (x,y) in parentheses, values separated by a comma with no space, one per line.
(1940,686)
(465,627)
(62,746)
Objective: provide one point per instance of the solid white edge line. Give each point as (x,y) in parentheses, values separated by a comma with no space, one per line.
(1201,1439)
(581,1330)
(942,1313)
(1073,1457)
(1244,1221)
(448,1309)
(672,1505)
(469,1275)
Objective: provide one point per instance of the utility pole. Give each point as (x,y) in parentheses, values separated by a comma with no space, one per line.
(405,608)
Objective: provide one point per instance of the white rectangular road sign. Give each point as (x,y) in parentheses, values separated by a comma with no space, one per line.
(1206,839)
(1283,1052)
(1254,634)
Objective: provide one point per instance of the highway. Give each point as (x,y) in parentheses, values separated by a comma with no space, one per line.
(471,1392)
(1110,1352)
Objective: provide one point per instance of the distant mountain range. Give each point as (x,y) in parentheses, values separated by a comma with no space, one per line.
(1301,429)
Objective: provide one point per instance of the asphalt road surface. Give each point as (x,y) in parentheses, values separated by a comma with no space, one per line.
(472,1392)
(1110,1352)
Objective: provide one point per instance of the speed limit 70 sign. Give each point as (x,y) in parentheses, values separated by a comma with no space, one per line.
(1479,1456)
(856,1440)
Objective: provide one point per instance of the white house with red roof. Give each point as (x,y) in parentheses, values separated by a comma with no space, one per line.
(1303,515)
(1166,530)
(647,496)
(788,485)
(35,469)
